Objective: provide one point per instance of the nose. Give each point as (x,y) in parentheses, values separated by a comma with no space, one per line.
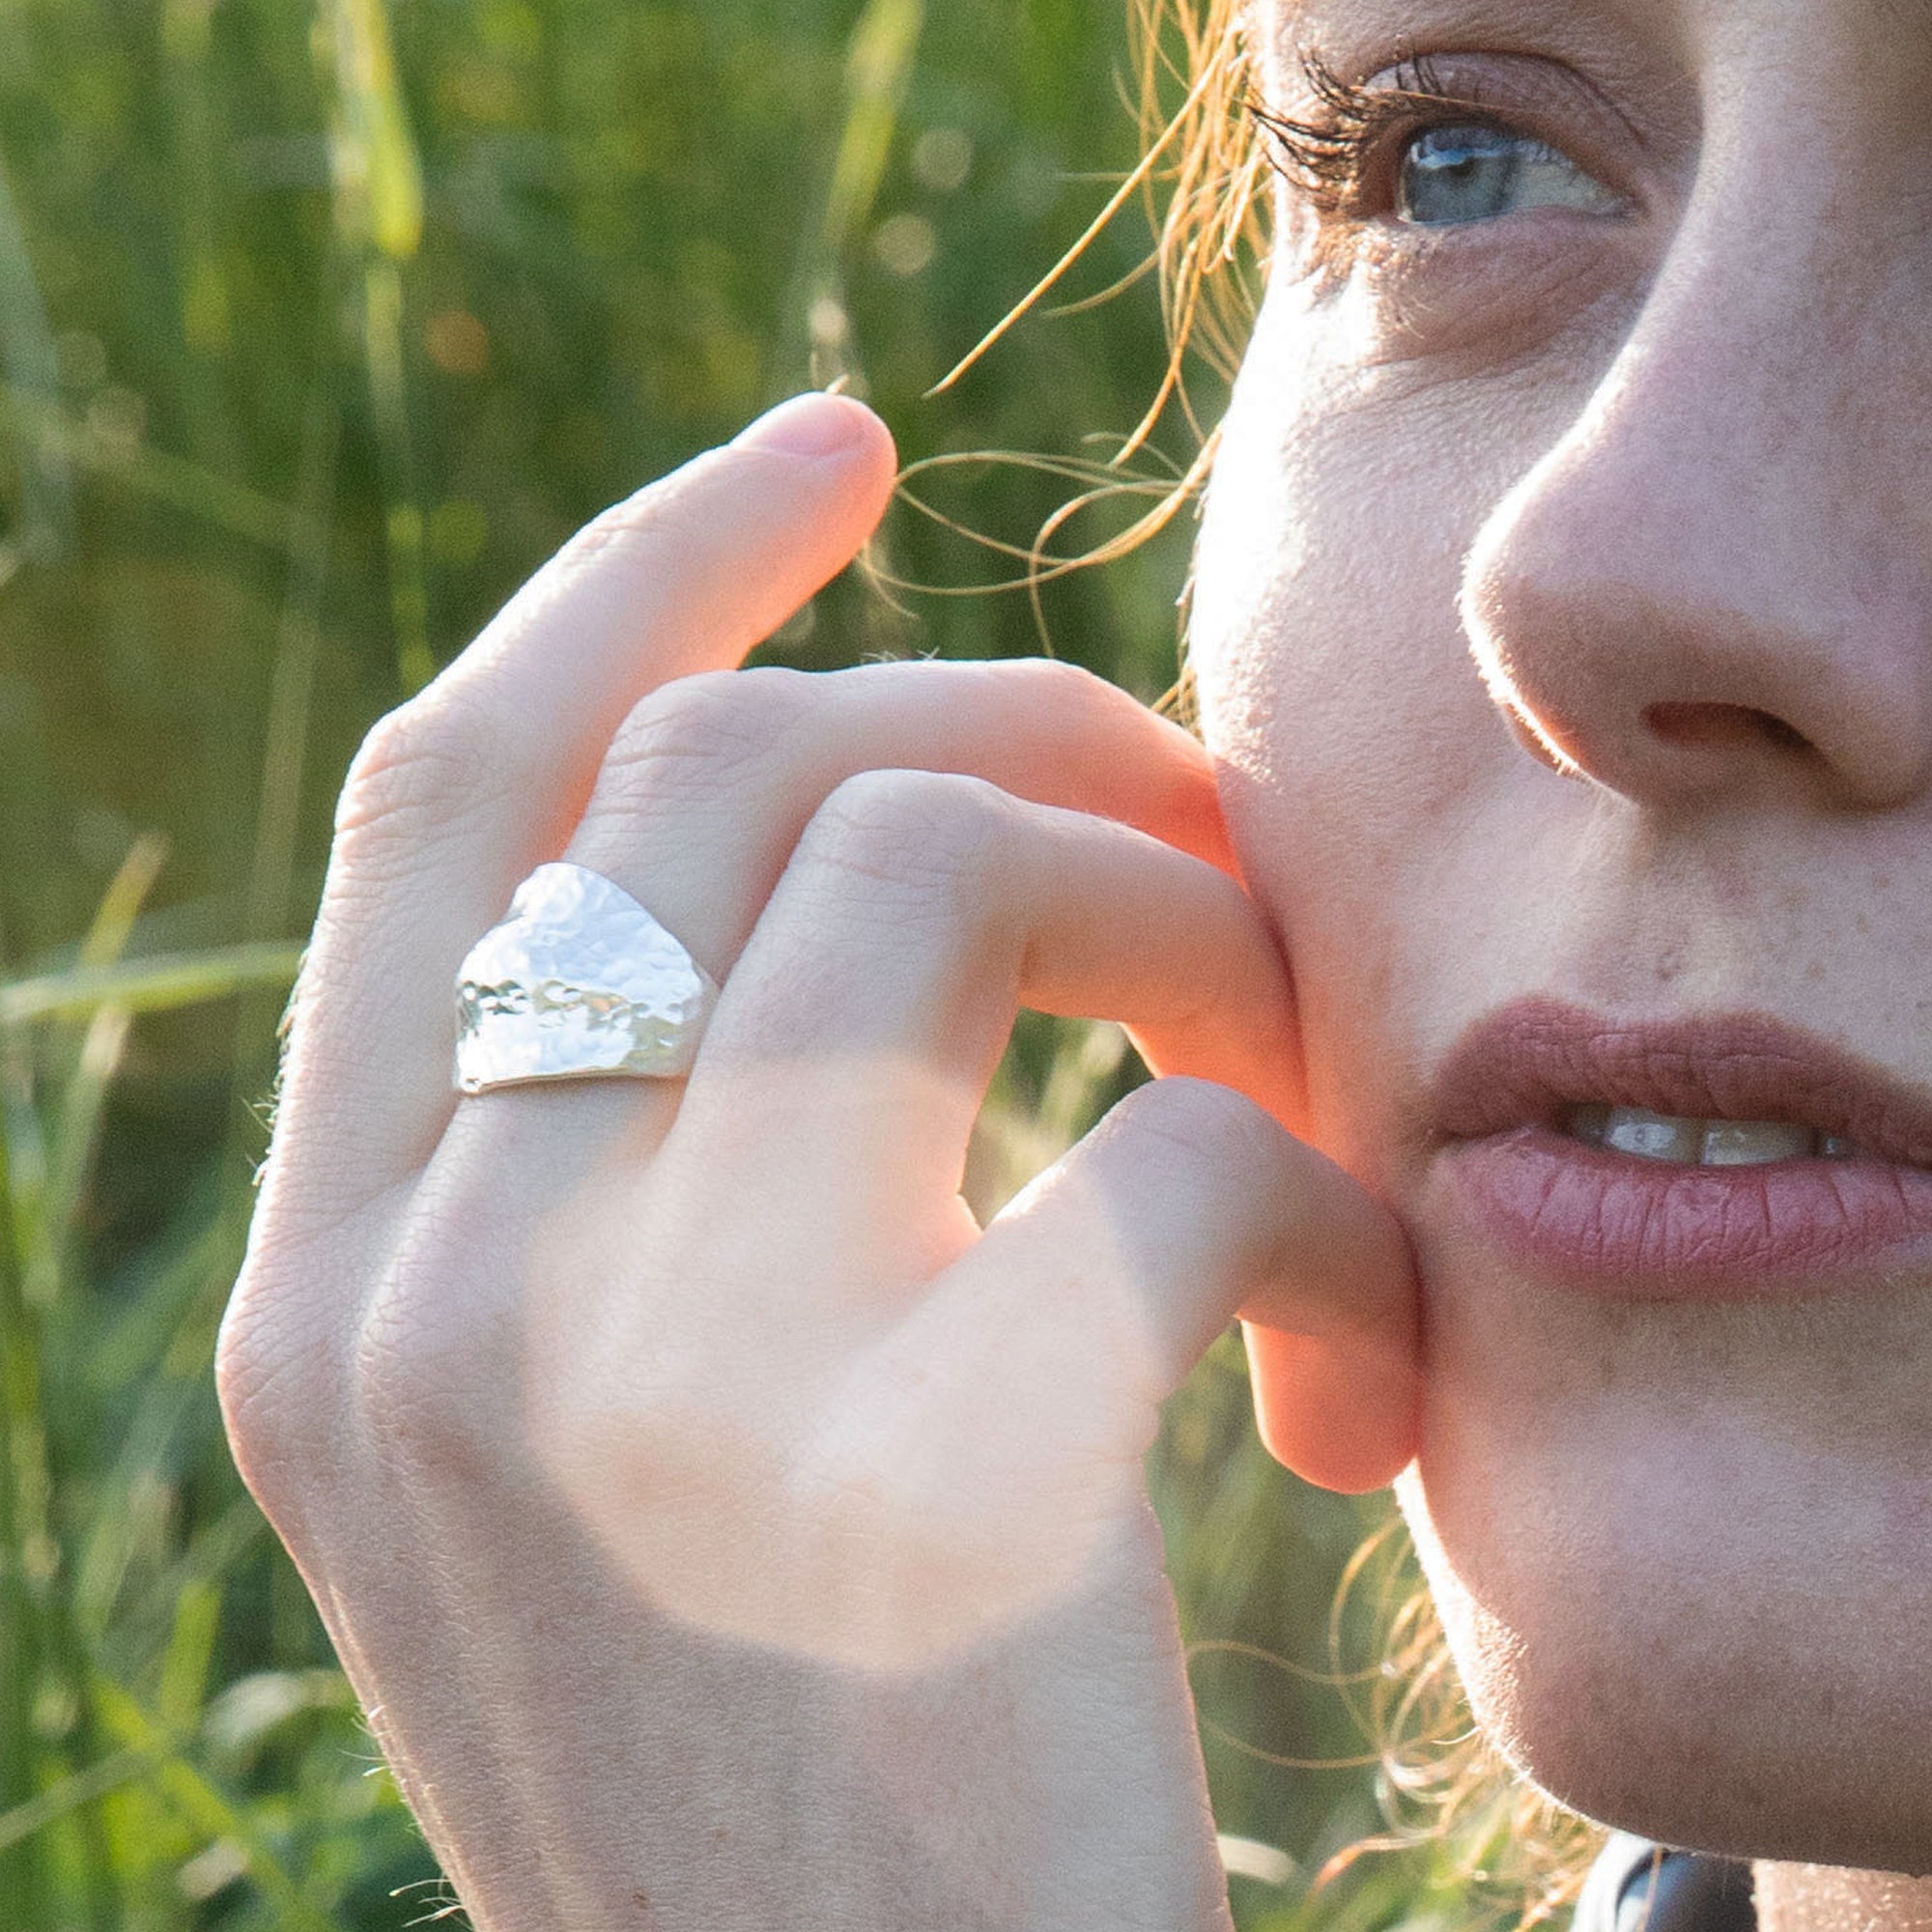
(1719,583)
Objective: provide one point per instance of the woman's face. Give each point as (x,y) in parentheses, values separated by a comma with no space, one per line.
(1564,623)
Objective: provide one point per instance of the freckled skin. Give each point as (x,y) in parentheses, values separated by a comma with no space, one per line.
(1570,481)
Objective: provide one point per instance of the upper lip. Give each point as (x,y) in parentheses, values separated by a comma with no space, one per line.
(1529,1061)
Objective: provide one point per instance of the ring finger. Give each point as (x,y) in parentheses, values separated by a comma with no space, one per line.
(711,783)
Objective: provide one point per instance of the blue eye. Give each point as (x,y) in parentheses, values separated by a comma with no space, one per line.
(1471,171)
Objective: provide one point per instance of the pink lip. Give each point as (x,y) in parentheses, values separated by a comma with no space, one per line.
(1612,1223)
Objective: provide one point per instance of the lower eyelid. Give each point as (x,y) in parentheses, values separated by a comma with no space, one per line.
(1481,296)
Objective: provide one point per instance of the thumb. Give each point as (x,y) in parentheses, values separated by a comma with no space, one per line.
(1190,1204)
(1334,1338)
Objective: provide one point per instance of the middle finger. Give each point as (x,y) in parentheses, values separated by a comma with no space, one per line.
(853,1046)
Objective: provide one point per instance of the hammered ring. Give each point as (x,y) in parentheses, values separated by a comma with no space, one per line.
(578,983)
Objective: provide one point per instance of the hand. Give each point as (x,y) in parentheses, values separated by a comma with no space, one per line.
(720,1529)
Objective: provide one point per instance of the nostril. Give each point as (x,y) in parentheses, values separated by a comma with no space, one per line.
(1722,724)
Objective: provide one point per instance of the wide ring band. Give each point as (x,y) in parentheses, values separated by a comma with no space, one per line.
(578,983)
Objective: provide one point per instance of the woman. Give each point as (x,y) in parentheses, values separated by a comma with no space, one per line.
(720,1527)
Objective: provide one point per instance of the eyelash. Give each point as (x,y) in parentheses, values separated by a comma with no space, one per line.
(1332,160)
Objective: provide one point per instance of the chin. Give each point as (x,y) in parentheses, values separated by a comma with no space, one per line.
(1626,1704)
(1684,1559)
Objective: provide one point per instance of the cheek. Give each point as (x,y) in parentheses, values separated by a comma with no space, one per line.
(1350,490)
(1359,751)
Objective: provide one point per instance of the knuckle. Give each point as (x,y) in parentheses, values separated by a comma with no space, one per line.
(423,1381)
(1055,688)
(1057,685)
(416,1418)
(421,766)
(274,1393)
(907,827)
(255,1395)
(705,729)
(246,1381)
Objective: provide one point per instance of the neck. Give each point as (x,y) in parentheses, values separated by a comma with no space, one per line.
(1829,1898)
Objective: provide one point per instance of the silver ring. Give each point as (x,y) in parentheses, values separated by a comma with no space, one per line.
(578,983)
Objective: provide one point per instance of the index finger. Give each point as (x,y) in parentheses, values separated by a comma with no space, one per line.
(458,795)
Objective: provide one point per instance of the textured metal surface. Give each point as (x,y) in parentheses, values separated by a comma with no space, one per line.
(579,981)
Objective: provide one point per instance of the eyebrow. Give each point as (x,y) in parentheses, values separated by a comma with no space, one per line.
(1357,38)
(1506,20)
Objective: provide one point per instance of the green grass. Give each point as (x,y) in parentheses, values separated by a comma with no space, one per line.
(318,330)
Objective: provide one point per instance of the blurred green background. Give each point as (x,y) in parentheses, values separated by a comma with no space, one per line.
(320,328)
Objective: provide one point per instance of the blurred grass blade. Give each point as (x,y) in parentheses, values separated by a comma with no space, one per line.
(298,645)
(395,438)
(285,757)
(879,58)
(83,1091)
(27,1556)
(27,357)
(83,1088)
(1248,1858)
(39,421)
(167,980)
(190,1653)
(84,1787)
(202,1804)
(120,903)
(378,177)
(878,69)
(379,213)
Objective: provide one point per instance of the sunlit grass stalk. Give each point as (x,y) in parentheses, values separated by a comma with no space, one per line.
(879,61)
(285,753)
(196,135)
(153,985)
(378,212)
(84,1788)
(297,639)
(47,1176)
(201,1802)
(86,1073)
(878,70)
(404,524)
(23,1555)
(28,359)
(175,482)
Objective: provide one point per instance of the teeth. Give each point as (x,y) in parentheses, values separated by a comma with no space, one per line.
(1671,1137)
(1750,1143)
(1653,1136)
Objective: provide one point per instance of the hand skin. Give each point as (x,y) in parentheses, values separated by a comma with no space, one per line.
(718,1527)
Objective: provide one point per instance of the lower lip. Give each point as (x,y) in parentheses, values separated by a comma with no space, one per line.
(1615,1224)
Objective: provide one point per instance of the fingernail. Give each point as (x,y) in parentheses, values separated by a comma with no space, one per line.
(810,425)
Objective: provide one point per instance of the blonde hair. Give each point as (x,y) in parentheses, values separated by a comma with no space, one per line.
(1202,180)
